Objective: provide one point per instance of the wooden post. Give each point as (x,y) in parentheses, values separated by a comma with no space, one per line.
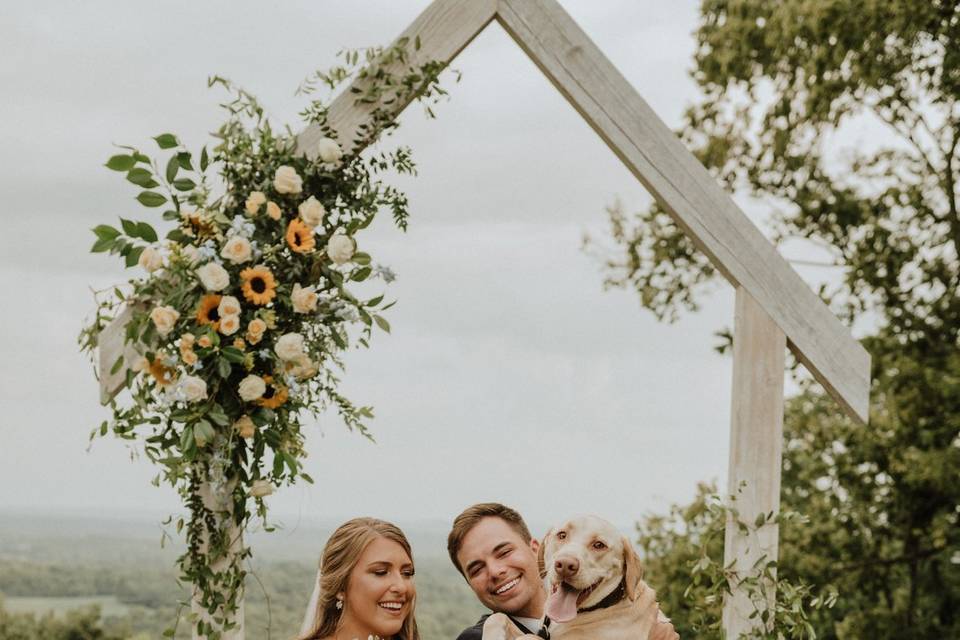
(756,443)
(220,502)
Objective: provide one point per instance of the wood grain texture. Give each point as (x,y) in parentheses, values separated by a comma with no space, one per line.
(681,184)
(444,28)
(756,449)
(111,344)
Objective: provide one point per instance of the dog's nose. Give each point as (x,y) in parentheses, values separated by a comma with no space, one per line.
(566,567)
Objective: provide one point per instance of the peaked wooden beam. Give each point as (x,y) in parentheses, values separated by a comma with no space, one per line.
(681,184)
(444,28)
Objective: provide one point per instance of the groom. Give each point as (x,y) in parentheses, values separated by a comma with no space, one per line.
(492,548)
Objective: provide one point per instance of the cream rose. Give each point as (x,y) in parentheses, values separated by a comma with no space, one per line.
(273,210)
(311,212)
(255,330)
(164,319)
(254,201)
(286,180)
(229,324)
(289,346)
(251,388)
(245,427)
(193,388)
(304,299)
(150,259)
(229,306)
(190,254)
(260,488)
(237,250)
(340,248)
(213,276)
(329,150)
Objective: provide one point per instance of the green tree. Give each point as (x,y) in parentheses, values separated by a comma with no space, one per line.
(781,83)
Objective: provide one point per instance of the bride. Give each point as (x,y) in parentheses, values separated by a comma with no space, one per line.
(364,587)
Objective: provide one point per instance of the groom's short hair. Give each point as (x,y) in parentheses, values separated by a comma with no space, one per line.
(467,520)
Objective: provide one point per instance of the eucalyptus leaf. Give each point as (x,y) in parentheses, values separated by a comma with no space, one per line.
(166,140)
(120,162)
(151,198)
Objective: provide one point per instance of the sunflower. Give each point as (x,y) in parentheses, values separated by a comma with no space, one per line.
(300,236)
(259,287)
(207,312)
(274,396)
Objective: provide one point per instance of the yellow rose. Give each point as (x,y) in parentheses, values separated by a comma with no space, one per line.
(273,210)
(254,201)
(204,342)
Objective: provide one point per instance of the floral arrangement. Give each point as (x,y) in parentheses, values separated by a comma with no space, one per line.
(243,310)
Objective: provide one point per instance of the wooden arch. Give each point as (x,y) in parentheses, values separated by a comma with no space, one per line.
(774,307)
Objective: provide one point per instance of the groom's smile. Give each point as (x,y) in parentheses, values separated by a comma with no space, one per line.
(502,569)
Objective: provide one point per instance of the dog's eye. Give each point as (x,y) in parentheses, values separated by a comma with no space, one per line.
(561,535)
(599,546)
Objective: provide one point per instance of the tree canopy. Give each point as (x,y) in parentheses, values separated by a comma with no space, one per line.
(783,86)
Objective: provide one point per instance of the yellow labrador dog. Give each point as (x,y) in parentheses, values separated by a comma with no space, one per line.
(595,589)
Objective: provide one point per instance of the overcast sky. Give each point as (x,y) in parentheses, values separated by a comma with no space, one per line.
(510,374)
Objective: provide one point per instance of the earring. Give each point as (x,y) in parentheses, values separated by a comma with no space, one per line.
(339,604)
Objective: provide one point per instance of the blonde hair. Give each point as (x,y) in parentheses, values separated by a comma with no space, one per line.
(338,560)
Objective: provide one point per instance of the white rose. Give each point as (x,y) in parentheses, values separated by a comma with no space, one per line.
(260,488)
(190,254)
(237,250)
(289,346)
(254,201)
(340,248)
(245,427)
(329,150)
(304,299)
(164,318)
(213,276)
(150,259)
(251,388)
(193,388)
(229,306)
(286,180)
(311,211)
(229,324)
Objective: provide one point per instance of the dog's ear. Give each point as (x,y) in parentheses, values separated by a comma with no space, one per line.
(632,569)
(541,562)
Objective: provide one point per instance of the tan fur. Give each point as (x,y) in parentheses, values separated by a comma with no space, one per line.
(635,617)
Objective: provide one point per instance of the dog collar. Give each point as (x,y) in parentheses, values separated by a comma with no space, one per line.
(613,598)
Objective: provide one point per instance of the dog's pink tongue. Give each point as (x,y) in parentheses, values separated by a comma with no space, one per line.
(562,604)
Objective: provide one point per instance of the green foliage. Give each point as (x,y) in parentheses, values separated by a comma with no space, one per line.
(780,81)
(290,216)
(683,553)
(80,624)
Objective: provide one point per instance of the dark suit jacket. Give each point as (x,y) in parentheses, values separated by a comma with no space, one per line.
(476,631)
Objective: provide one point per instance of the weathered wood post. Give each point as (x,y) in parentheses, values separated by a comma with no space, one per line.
(756,442)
